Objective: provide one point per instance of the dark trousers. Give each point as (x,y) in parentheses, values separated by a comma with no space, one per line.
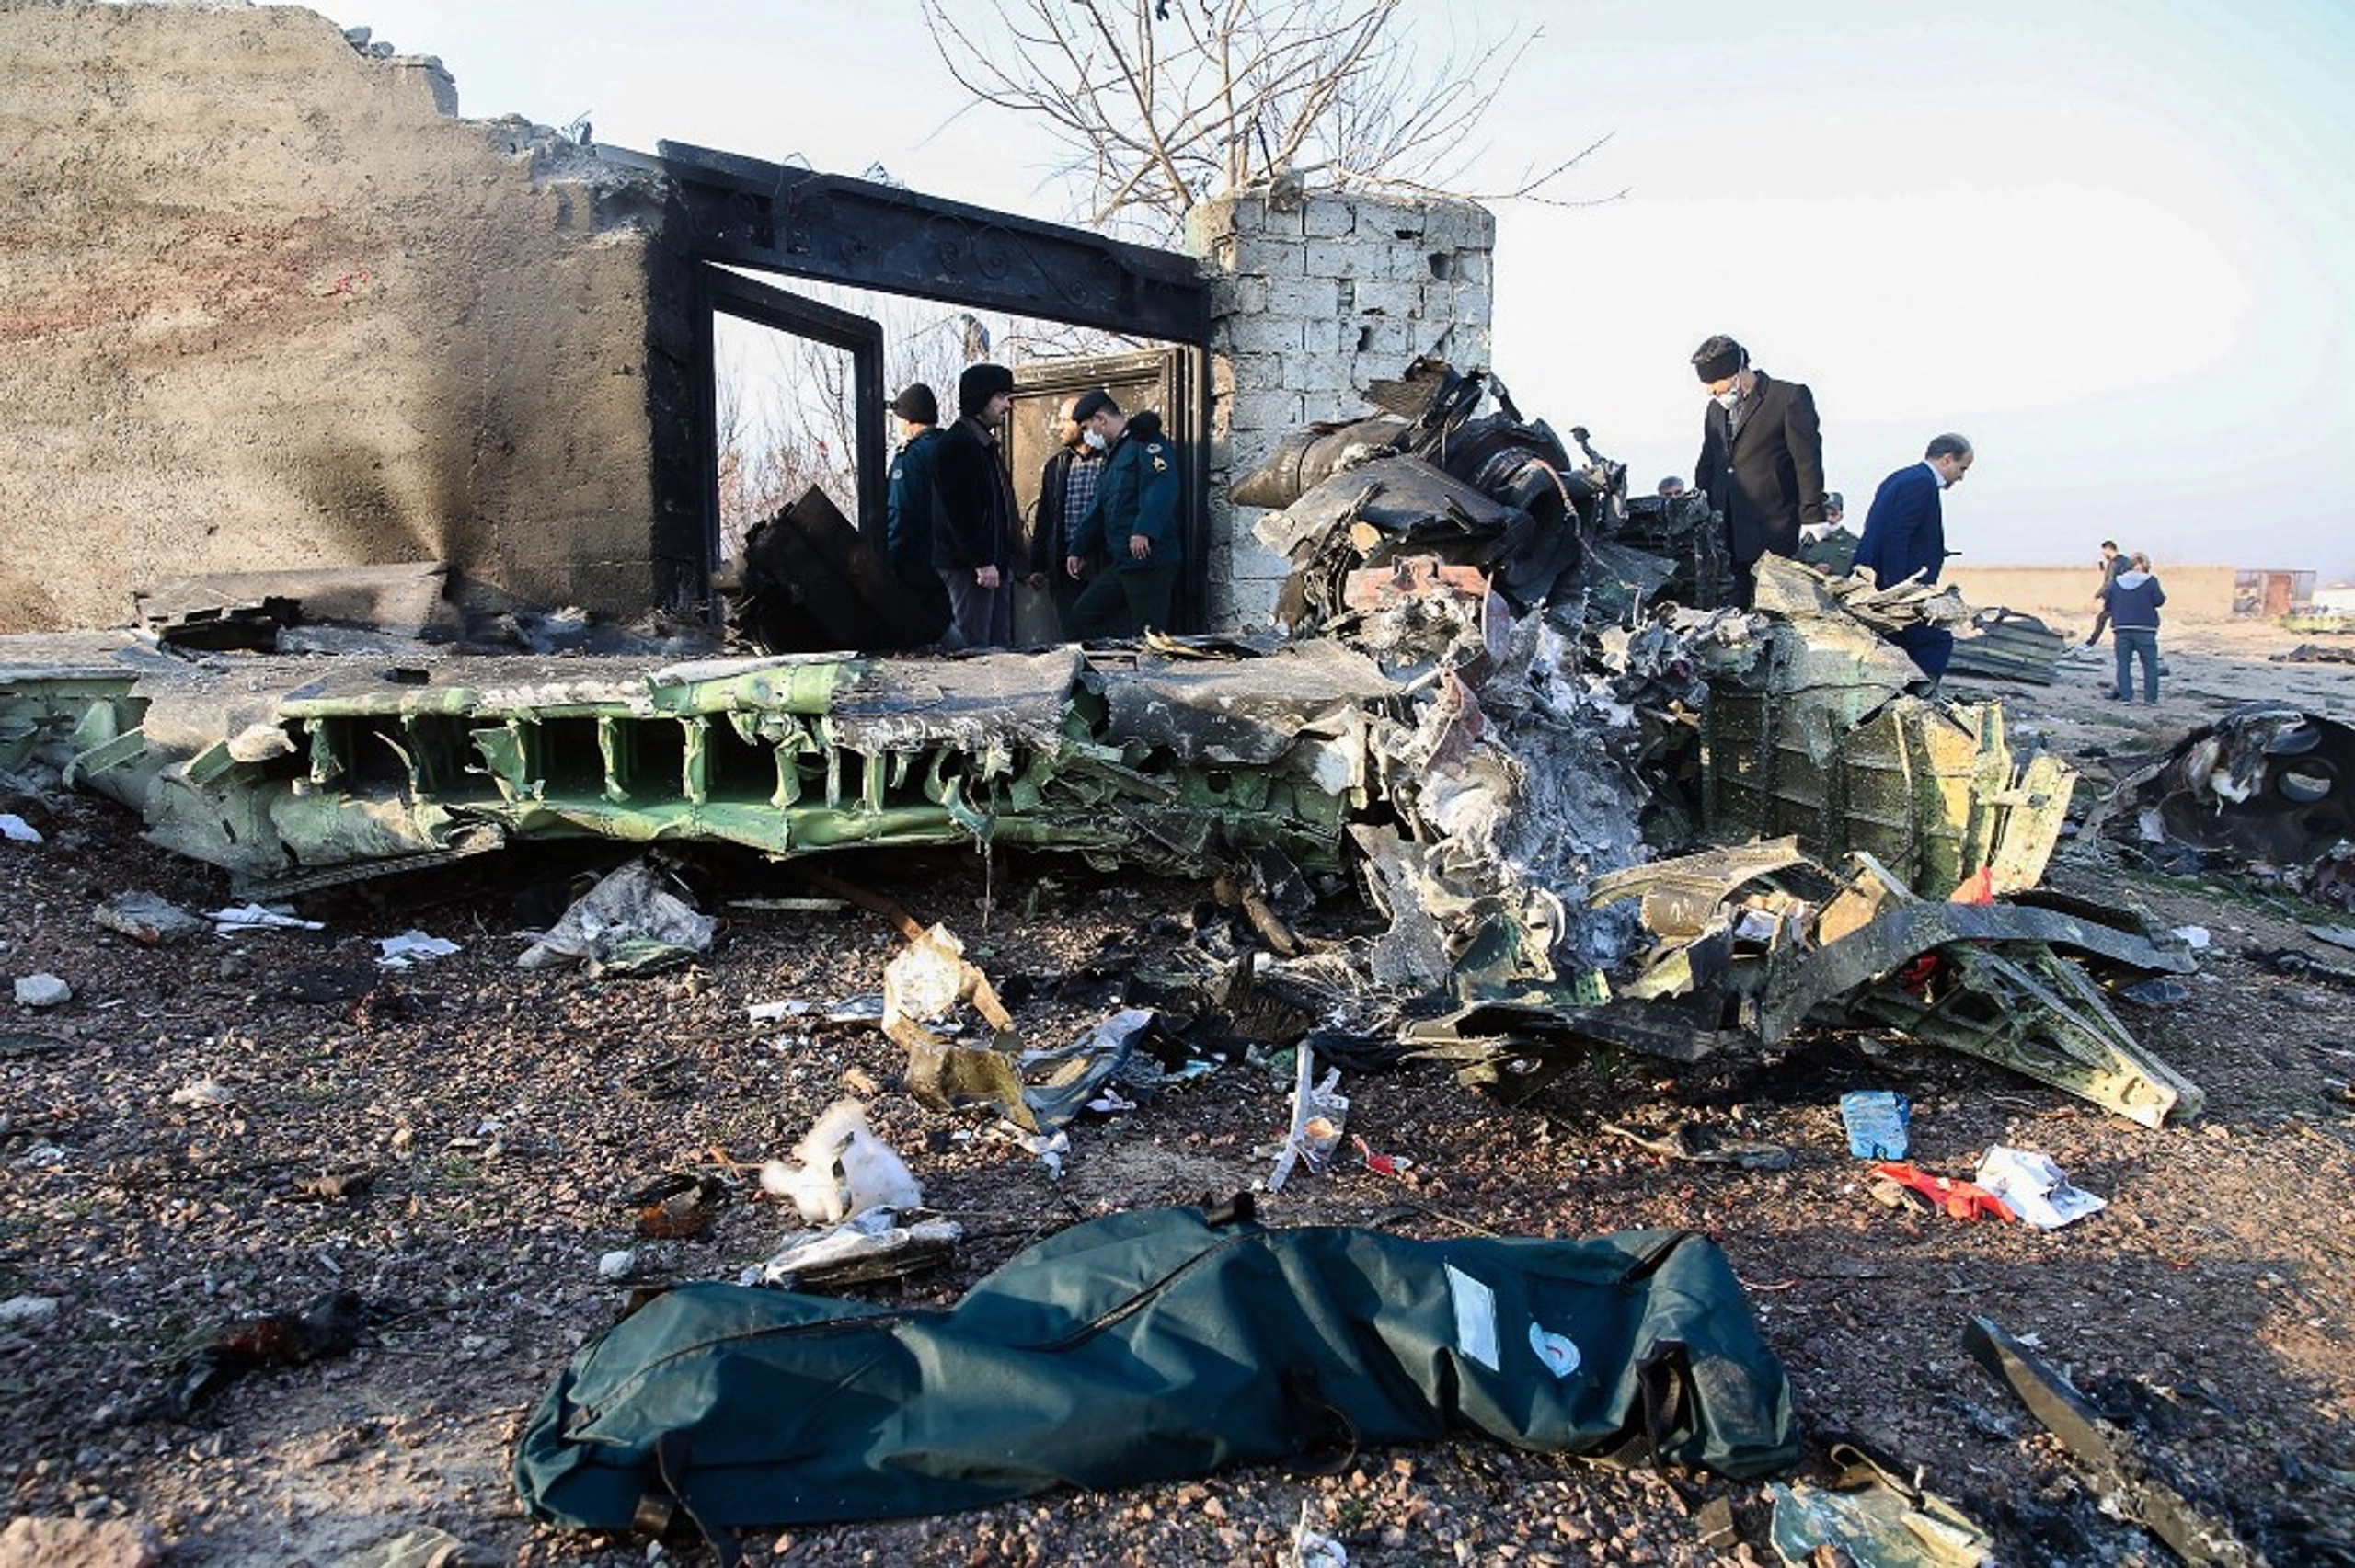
(2133,643)
(1930,647)
(1124,603)
(978,617)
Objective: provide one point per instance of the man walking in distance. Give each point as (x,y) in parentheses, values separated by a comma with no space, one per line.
(1905,540)
(1134,522)
(1066,485)
(2112,563)
(973,542)
(1762,458)
(2134,599)
(907,532)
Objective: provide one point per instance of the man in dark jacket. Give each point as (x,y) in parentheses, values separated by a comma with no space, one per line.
(907,533)
(1135,521)
(2135,601)
(1905,540)
(2112,563)
(1066,485)
(973,542)
(1762,457)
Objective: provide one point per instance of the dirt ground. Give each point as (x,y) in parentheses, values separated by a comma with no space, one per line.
(502,1117)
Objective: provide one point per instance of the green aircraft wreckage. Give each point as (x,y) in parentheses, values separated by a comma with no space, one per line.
(1591,813)
(294,773)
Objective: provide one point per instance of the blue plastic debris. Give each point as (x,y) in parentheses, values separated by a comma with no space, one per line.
(1876,1120)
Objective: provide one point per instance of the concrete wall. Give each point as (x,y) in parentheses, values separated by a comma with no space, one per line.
(1314,299)
(264,304)
(2063,595)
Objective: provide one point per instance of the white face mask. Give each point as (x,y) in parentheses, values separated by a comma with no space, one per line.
(1727,399)
(1094,437)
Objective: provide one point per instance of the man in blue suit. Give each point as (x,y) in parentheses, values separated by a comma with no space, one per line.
(1905,538)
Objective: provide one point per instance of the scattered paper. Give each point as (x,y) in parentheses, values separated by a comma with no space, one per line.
(401,952)
(2035,1188)
(261,917)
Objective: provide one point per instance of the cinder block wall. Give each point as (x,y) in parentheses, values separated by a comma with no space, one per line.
(2063,595)
(265,303)
(1313,300)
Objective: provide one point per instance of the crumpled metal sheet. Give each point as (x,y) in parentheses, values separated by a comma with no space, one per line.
(1244,712)
(2266,779)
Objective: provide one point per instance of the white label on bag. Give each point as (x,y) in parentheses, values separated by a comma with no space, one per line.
(1476,1318)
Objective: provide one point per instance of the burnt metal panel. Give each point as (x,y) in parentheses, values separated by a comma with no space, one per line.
(749,213)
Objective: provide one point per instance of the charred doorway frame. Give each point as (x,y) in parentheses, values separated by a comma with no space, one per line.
(729,210)
(721,292)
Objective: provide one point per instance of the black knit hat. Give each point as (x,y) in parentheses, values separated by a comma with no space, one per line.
(1092,402)
(916,405)
(1718,358)
(979,385)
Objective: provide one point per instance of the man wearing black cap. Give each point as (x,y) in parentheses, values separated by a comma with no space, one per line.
(1066,485)
(907,533)
(973,542)
(1762,457)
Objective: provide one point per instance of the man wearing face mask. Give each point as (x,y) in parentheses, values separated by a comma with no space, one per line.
(1133,523)
(1762,457)
(1905,540)
(1066,485)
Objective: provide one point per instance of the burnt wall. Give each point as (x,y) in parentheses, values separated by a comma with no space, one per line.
(267,303)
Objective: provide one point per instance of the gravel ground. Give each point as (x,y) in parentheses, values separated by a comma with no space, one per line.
(218,1127)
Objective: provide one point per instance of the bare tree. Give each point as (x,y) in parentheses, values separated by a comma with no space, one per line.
(786,405)
(1157,104)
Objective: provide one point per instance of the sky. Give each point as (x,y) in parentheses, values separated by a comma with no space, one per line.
(2110,241)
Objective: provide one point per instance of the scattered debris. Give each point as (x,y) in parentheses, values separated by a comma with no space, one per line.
(426,1547)
(1312,1548)
(2009,644)
(874,1244)
(148,918)
(27,1311)
(2269,788)
(925,987)
(30,1541)
(206,1093)
(677,1207)
(261,917)
(335,1187)
(617,1264)
(1877,1121)
(840,1170)
(1873,1515)
(1318,1113)
(630,923)
(1956,1198)
(42,992)
(1690,1141)
(15,830)
(330,1326)
(2128,1479)
(2036,1190)
(410,947)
